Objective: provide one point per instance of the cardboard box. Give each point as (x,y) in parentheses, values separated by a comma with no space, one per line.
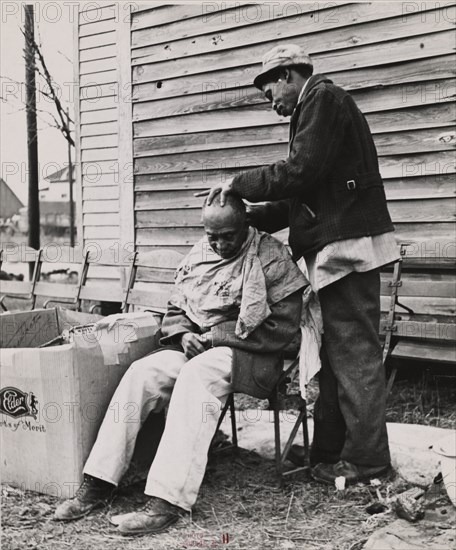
(53,399)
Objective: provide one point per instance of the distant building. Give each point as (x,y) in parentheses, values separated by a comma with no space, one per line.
(56,187)
(9,202)
(54,195)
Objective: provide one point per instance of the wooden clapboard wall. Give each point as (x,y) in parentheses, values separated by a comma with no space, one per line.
(105,170)
(196,118)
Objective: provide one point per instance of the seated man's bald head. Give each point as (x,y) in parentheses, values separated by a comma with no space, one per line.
(233,208)
(225,226)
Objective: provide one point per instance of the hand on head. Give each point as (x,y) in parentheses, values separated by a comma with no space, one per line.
(222,189)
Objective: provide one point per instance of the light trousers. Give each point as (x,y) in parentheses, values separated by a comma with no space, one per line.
(195,390)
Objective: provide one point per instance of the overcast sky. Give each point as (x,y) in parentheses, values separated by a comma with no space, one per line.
(53,25)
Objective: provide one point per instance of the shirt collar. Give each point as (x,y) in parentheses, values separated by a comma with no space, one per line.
(303,90)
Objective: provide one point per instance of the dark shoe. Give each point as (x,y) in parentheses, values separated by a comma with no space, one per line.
(297,456)
(156,516)
(327,473)
(93,493)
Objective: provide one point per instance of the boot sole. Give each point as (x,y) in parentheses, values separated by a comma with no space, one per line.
(164,527)
(101,504)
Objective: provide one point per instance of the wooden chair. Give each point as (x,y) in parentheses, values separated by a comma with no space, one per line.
(22,290)
(425,329)
(151,280)
(105,276)
(62,293)
(290,366)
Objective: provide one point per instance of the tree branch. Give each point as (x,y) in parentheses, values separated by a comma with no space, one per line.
(64,118)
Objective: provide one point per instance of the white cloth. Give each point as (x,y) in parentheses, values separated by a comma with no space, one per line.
(311,335)
(212,290)
(196,391)
(334,261)
(338,259)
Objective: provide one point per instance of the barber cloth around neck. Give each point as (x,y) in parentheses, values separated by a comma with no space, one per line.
(212,290)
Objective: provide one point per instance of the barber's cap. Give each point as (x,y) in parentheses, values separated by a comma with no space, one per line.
(281,56)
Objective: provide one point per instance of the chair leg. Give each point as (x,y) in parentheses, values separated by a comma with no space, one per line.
(305,431)
(223,413)
(300,420)
(391,379)
(278,450)
(233,420)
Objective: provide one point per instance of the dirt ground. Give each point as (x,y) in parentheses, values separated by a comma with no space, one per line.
(241,506)
(241,503)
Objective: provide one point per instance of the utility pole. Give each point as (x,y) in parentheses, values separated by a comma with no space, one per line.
(32,131)
(70,181)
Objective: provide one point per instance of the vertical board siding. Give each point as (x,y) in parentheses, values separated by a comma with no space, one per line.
(198,119)
(98,125)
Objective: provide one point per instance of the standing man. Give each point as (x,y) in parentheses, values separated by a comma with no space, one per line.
(330,194)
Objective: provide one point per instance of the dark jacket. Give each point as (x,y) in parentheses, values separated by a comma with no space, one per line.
(257,360)
(329,188)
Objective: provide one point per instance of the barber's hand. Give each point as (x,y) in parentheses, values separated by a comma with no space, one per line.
(192,344)
(223,189)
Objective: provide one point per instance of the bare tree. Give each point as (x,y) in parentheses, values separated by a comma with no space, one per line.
(36,66)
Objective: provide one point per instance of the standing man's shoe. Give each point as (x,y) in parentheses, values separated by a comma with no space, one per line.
(297,456)
(327,473)
(93,493)
(156,516)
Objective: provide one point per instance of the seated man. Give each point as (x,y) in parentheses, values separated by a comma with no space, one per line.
(236,305)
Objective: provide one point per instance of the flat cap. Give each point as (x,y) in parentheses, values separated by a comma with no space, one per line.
(281,56)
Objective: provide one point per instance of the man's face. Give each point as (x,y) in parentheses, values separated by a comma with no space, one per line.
(225,234)
(282,94)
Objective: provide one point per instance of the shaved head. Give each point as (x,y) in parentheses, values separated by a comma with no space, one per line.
(226,226)
(233,208)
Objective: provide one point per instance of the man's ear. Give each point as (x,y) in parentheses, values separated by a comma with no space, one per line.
(288,76)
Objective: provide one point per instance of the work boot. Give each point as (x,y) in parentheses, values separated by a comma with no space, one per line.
(93,493)
(327,473)
(156,516)
(297,456)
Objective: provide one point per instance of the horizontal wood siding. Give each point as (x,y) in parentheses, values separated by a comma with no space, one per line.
(198,119)
(98,113)
(98,139)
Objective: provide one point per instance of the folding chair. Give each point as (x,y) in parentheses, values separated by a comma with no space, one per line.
(63,293)
(274,400)
(22,290)
(103,277)
(390,327)
(281,456)
(151,280)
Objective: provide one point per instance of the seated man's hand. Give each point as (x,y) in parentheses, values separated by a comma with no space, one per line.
(192,344)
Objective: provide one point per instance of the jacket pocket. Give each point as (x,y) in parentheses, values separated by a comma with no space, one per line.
(302,216)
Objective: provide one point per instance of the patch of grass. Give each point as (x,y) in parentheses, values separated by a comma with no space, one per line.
(419,396)
(241,502)
(423,397)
